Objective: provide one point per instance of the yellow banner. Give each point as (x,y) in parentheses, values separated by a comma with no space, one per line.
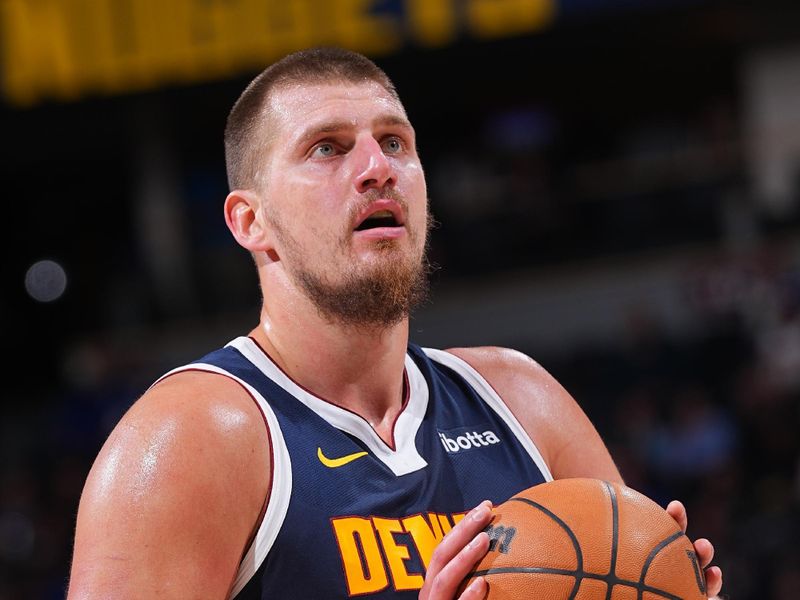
(67,49)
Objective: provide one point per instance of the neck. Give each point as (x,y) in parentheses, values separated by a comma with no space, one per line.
(357,368)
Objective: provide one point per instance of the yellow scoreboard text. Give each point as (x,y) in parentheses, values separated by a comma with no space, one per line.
(66,49)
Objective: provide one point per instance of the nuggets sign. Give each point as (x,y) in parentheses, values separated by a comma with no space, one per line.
(363,541)
(64,49)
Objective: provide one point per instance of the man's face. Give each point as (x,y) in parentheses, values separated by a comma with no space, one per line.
(345,194)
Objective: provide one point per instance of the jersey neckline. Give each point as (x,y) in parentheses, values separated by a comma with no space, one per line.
(402,456)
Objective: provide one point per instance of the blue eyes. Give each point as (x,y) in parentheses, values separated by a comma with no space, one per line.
(324,150)
(391,145)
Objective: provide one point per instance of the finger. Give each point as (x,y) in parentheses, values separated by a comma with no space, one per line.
(476,590)
(705,552)
(460,536)
(713,581)
(446,582)
(677,511)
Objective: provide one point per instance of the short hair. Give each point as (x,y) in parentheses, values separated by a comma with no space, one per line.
(243,130)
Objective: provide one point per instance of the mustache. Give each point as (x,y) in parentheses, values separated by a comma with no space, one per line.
(372,195)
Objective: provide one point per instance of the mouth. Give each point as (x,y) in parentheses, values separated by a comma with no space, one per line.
(381,214)
(381,218)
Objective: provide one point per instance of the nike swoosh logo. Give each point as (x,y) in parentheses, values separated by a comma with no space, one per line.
(334,463)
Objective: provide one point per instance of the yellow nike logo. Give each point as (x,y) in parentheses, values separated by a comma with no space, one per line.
(338,462)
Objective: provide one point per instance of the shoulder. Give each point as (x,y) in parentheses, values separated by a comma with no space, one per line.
(187,432)
(496,357)
(201,423)
(193,408)
(566,438)
(509,369)
(190,455)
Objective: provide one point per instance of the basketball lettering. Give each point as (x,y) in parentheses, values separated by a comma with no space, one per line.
(500,538)
(701,582)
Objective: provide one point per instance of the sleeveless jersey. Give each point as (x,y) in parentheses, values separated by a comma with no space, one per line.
(349,515)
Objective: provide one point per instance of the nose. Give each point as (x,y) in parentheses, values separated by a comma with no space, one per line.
(373,168)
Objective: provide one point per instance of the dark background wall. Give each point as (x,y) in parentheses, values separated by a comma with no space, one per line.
(616,186)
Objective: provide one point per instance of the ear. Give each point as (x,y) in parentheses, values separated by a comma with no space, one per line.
(242,218)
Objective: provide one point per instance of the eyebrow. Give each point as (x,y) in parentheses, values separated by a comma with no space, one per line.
(343,124)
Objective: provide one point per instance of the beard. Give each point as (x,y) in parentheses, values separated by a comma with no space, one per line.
(373,298)
(380,298)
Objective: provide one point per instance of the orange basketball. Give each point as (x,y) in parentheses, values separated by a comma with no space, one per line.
(587,539)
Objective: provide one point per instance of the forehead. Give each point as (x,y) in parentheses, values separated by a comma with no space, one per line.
(295,107)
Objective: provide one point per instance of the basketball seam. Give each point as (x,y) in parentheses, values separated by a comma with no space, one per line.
(611,579)
(641,587)
(612,571)
(576,545)
(652,556)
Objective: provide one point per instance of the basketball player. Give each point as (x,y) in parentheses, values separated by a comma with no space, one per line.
(323,455)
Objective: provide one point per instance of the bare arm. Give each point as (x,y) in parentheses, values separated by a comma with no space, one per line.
(174,494)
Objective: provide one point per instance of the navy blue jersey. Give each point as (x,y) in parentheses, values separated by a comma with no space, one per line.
(349,515)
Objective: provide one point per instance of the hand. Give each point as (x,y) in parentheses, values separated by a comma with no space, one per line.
(455,557)
(702,547)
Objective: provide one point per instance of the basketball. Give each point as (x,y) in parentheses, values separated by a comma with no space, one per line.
(587,539)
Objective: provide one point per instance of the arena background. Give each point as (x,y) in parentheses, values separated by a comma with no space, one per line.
(617,189)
